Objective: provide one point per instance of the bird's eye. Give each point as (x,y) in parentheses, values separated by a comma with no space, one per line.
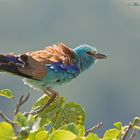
(89,53)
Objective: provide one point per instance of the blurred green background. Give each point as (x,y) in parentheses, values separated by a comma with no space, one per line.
(110,90)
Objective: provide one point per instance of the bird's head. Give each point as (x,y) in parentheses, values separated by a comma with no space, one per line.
(88,55)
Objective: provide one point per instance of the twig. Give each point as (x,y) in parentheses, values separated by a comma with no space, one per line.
(8,121)
(43,108)
(127,131)
(91,130)
(21,101)
(6,118)
(133,135)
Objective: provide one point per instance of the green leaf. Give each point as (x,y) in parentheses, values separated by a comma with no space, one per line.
(42,135)
(21,120)
(78,131)
(136,121)
(92,137)
(80,138)
(50,112)
(62,135)
(111,134)
(59,113)
(33,133)
(73,112)
(31,119)
(89,137)
(6,93)
(40,102)
(118,125)
(36,124)
(6,131)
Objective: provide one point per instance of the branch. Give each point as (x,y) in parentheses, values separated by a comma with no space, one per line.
(6,118)
(41,109)
(127,131)
(21,101)
(91,130)
(133,135)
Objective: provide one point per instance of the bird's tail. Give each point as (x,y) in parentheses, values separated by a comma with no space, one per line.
(11,63)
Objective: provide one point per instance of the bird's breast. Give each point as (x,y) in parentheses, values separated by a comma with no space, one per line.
(57,74)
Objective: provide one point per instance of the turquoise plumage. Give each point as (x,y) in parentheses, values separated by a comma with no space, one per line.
(53,66)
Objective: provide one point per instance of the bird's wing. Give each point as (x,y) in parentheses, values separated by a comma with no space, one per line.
(55,53)
(22,65)
(33,64)
(35,61)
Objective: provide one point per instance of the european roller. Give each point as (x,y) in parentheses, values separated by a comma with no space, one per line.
(56,64)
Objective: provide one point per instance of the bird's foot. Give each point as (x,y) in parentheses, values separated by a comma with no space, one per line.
(53,92)
(50,92)
(47,93)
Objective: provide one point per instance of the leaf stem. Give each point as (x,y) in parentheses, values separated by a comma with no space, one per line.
(133,135)
(136,127)
(127,131)
(91,130)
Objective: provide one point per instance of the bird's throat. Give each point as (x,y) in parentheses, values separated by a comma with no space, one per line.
(85,63)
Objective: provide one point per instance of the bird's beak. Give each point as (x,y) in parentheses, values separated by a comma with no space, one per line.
(100,56)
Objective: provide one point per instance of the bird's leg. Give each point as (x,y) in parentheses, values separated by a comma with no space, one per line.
(47,93)
(49,102)
(52,92)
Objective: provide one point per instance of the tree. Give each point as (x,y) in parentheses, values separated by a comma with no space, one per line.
(56,119)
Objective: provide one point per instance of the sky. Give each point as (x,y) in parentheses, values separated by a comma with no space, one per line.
(110,90)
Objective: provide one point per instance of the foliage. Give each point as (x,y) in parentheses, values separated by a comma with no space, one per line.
(61,120)
(6,93)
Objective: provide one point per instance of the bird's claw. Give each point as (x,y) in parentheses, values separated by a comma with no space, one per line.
(51,93)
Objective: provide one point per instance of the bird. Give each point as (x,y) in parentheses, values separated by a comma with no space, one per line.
(52,66)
